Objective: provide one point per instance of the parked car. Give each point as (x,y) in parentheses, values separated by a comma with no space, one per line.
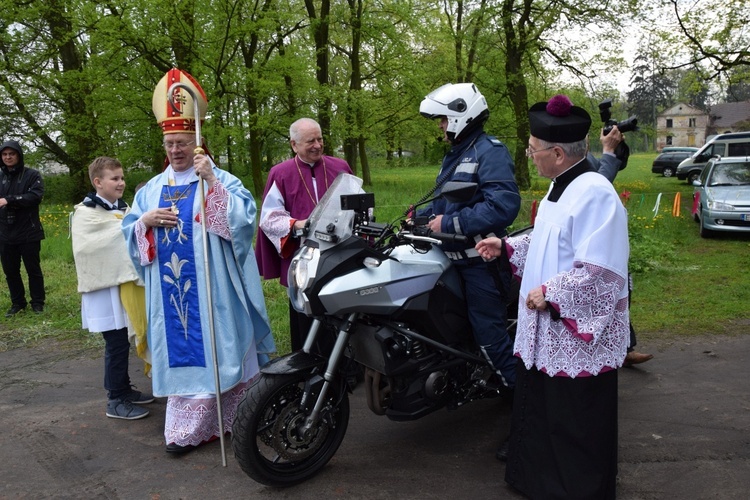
(721,197)
(733,144)
(666,163)
(669,149)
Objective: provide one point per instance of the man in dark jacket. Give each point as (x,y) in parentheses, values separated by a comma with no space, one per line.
(21,232)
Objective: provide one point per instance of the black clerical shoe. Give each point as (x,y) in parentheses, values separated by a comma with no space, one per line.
(14,309)
(179,450)
(37,308)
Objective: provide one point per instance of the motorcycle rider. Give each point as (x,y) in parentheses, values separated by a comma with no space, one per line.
(476,157)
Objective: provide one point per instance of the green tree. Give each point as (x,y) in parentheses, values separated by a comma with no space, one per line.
(652,89)
(534,32)
(738,85)
(719,44)
(49,87)
(77,76)
(692,87)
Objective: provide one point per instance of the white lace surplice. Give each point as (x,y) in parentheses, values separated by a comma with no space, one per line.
(276,226)
(578,250)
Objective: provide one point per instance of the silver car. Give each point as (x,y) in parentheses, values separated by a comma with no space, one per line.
(721,198)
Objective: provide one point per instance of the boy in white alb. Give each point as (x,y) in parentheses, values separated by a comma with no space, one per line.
(105,271)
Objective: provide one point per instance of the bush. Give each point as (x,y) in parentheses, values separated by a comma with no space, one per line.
(59,189)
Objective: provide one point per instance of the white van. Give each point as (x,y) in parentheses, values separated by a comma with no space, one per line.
(734,144)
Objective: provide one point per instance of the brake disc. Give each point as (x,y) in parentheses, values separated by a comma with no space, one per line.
(287,439)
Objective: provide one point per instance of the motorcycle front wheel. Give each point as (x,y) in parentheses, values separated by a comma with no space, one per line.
(266,435)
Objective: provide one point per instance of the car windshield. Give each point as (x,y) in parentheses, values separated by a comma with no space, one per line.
(730,174)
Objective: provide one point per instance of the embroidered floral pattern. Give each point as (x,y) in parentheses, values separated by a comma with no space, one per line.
(144,246)
(594,333)
(217,216)
(276,227)
(175,232)
(518,250)
(178,300)
(192,421)
(174,196)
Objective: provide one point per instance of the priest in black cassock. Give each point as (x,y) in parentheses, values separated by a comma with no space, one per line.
(573,318)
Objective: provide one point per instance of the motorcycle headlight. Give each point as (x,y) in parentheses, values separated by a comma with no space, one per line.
(302,273)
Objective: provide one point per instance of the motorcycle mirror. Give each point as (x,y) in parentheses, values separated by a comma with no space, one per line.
(457,191)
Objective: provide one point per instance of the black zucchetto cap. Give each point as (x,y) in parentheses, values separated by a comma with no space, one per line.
(558,120)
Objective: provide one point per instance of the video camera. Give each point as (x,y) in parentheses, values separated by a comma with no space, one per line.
(628,125)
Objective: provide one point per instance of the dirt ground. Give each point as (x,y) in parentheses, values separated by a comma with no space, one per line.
(684,433)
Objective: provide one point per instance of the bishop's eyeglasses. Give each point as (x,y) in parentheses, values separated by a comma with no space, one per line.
(179,144)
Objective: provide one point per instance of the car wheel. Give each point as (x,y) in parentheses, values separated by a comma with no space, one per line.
(692,177)
(668,172)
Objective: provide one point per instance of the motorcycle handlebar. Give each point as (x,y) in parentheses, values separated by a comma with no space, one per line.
(420,231)
(424,233)
(449,238)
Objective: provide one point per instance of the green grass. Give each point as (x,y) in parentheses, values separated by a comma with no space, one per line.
(684,285)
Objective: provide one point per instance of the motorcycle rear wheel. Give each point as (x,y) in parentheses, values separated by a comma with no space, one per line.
(264,434)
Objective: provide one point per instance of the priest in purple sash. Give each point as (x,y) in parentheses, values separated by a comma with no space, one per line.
(292,190)
(165,242)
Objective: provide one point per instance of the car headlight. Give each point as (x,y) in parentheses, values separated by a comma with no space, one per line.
(717,205)
(302,272)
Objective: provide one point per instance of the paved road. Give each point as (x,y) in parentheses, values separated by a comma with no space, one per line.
(684,434)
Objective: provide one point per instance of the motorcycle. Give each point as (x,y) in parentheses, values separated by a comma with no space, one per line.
(389,300)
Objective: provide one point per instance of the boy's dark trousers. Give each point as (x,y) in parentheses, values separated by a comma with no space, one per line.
(116,354)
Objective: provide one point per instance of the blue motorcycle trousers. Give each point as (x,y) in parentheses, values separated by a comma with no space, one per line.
(487,290)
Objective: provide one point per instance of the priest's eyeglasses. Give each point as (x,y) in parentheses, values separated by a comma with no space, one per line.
(531,152)
(179,145)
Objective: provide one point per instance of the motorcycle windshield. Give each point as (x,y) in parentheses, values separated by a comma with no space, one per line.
(328,223)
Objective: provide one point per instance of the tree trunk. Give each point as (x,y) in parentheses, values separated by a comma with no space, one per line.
(320,24)
(354,122)
(79,130)
(517,94)
(366,178)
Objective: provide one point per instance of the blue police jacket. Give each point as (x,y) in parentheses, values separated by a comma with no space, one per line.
(485,160)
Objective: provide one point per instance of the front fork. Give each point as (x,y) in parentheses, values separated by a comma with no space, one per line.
(337,353)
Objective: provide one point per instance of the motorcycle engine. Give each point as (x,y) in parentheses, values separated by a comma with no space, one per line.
(436,385)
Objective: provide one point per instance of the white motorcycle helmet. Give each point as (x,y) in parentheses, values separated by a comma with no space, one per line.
(463,105)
